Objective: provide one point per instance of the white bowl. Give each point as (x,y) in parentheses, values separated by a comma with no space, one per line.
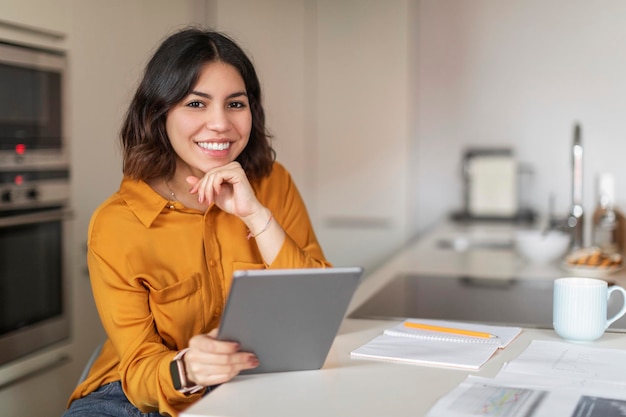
(541,247)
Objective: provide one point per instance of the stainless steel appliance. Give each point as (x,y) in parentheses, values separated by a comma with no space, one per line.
(34,202)
(494,186)
(490,183)
(575,220)
(31,106)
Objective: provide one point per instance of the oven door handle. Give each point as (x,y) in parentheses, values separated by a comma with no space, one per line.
(34,218)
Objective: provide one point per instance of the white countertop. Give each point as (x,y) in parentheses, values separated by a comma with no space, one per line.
(353,387)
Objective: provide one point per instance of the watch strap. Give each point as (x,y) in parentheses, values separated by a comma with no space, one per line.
(179,374)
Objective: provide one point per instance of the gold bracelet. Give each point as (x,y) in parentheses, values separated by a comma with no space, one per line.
(267,226)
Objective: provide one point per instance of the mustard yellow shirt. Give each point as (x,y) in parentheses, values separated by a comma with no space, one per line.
(161,275)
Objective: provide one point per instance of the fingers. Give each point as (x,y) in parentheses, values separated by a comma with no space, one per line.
(210,361)
(205,373)
(228,188)
(191,180)
(210,185)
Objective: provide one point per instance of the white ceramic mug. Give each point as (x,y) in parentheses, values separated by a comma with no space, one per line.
(580,308)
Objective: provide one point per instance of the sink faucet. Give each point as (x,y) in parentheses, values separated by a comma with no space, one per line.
(575,218)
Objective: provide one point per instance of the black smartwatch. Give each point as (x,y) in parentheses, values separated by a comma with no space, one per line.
(179,375)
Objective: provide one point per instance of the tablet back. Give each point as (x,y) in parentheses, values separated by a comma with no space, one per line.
(288,317)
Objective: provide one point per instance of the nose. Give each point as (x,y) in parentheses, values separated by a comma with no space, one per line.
(218,119)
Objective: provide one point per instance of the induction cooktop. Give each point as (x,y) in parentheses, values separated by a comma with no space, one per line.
(525,303)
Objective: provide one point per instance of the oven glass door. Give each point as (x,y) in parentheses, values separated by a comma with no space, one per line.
(30,108)
(31,270)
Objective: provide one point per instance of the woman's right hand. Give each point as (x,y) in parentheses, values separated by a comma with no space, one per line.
(210,361)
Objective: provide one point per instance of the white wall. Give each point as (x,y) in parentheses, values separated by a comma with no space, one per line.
(520,73)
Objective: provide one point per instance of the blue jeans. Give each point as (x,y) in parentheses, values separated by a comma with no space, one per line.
(107,401)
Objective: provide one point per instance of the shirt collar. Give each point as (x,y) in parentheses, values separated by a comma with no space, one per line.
(144,202)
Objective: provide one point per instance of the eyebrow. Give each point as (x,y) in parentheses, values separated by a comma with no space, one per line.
(208,96)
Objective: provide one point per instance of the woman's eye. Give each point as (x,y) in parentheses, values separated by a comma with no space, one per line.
(236,105)
(194,104)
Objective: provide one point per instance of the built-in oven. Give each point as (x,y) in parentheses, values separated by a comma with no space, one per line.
(34,202)
(31,106)
(34,300)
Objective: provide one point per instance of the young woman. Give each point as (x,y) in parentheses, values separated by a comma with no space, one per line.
(201,197)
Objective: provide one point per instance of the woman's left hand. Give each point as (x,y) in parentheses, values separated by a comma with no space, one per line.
(228,187)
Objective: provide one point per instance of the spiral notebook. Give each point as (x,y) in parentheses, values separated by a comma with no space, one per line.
(402,343)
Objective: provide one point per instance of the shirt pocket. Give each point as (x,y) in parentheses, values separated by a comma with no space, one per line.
(177,291)
(178,311)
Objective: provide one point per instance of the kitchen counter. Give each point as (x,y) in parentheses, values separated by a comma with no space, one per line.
(478,253)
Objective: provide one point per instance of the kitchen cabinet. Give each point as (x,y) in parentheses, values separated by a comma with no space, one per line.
(363,131)
(43,15)
(35,22)
(336,77)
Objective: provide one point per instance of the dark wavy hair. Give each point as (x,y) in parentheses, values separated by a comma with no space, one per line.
(169,77)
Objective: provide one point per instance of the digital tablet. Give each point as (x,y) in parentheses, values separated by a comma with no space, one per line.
(288,317)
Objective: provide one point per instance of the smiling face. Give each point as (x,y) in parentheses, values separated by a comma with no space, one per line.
(211,126)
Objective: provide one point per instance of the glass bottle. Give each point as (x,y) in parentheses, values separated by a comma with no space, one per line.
(608,222)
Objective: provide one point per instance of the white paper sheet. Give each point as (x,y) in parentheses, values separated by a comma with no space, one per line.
(571,361)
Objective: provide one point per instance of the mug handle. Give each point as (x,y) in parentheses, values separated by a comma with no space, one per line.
(622,310)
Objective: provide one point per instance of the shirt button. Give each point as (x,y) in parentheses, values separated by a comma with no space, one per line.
(212,263)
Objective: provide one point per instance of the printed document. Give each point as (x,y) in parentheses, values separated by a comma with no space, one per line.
(548,379)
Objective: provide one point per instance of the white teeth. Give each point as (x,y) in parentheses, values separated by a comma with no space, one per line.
(214,146)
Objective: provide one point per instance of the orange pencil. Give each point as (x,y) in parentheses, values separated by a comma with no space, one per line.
(449,330)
